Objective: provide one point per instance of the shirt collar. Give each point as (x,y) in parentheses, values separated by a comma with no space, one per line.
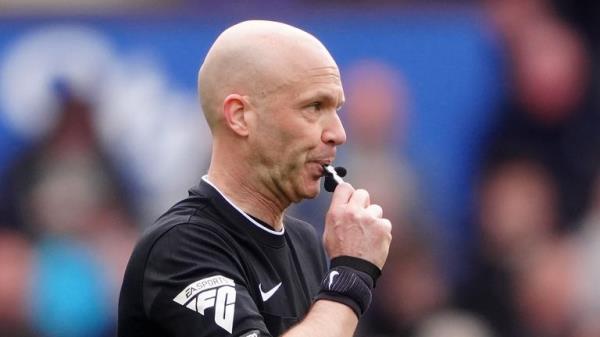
(241,212)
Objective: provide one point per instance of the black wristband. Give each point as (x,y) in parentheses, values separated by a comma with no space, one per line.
(347,286)
(357,264)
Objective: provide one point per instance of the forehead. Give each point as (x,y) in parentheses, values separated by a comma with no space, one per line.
(291,70)
(318,81)
(323,74)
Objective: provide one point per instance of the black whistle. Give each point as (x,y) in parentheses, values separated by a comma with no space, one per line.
(333,177)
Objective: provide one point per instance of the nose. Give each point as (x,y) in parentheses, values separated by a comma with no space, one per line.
(333,131)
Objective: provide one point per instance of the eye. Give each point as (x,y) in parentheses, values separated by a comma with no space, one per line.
(315,105)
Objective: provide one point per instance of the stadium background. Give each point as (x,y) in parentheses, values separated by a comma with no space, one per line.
(475,124)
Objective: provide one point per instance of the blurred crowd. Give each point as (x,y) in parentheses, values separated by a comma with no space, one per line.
(533,266)
(70,211)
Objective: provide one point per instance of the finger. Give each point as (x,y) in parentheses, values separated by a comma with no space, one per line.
(386,223)
(360,198)
(375,210)
(342,194)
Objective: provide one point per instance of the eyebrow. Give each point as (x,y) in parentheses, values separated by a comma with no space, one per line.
(320,95)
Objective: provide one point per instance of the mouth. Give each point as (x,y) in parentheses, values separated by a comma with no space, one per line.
(320,163)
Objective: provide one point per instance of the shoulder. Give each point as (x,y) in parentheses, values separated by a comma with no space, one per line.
(191,238)
(195,280)
(186,253)
(190,221)
(187,234)
(197,238)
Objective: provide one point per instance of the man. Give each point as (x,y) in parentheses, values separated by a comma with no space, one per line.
(227,260)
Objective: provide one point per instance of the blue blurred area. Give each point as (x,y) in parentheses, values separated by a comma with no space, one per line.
(449,60)
(69,283)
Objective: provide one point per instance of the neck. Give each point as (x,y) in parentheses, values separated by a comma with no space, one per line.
(243,187)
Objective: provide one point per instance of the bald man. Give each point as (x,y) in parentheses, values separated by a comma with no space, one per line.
(227,260)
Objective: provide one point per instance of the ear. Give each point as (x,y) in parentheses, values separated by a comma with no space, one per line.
(235,108)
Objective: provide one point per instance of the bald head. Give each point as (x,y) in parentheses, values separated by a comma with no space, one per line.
(256,59)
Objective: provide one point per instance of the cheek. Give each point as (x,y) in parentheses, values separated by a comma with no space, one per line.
(294,144)
(293,156)
(286,142)
(266,142)
(279,151)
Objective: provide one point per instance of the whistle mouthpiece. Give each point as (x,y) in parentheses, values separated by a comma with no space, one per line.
(333,177)
(333,173)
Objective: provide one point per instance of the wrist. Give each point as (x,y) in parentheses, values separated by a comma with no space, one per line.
(348,286)
(358,264)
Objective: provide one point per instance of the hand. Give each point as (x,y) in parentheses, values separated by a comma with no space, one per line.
(355,227)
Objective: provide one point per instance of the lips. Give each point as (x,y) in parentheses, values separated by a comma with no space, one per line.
(319,165)
(319,158)
(323,160)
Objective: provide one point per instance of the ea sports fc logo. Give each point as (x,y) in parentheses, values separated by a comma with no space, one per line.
(215,291)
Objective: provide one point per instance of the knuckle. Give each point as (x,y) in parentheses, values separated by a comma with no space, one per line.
(365,216)
(362,192)
(377,210)
(354,216)
(335,212)
(373,218)
(387,235)
(384,226)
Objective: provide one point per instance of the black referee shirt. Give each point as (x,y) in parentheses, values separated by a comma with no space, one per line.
(206,268)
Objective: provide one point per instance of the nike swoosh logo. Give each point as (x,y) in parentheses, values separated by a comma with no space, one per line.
(267,294)
(331,276)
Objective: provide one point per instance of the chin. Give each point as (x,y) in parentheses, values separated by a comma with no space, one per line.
(308,187)
(312,195)
(312,191)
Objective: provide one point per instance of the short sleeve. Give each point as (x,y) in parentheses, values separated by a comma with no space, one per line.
(194,286)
